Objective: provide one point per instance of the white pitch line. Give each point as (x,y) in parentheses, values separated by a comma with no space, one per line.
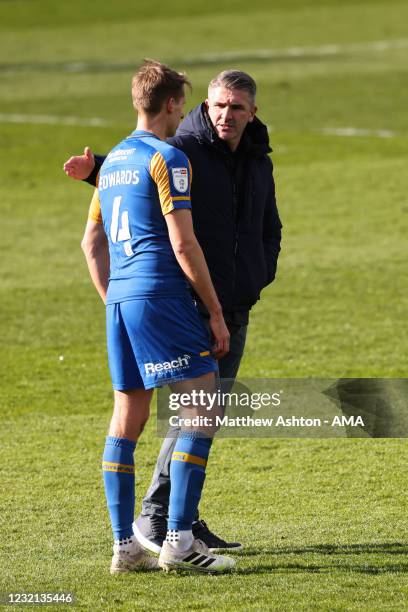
(54,120)
(322,50)
(98,122)
(243,55)
(353,132)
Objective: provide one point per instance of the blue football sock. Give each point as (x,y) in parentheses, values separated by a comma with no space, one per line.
(119,479)
(187,474)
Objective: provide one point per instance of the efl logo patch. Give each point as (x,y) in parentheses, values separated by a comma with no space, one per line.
(180,179)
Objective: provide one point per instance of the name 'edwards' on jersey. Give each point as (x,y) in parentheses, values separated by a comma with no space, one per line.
(142,179)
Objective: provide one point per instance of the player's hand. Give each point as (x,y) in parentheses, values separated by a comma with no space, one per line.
(80,166)
(221,336)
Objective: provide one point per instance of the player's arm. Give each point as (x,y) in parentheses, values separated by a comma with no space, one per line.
(96,249)
(173,179)
(84,167)
(191,260)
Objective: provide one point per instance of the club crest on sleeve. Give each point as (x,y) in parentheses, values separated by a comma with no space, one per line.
(180,179)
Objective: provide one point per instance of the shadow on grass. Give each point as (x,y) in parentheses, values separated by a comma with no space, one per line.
(389,548)
(290,568)
(386,549)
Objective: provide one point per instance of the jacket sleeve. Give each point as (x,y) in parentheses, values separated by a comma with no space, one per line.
(271,231)
(92,178)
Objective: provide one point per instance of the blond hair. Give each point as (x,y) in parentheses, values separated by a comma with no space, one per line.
(154,83)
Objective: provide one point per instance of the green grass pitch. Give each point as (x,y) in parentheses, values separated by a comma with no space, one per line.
(323,521)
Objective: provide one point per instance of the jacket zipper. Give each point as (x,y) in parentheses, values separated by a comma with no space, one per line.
(231,168)
(234,261)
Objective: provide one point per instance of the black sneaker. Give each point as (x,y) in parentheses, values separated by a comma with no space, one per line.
(150,531)
(214,543)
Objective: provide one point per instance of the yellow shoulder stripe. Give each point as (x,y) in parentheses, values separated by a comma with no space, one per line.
(95,208)
(158,172)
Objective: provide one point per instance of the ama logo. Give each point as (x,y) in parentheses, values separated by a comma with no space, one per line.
(180,363)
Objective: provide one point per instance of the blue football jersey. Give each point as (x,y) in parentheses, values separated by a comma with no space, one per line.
(142,179)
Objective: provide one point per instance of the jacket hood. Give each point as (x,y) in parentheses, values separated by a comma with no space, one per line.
(198,124)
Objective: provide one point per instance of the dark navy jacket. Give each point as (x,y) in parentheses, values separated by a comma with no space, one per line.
(234,209)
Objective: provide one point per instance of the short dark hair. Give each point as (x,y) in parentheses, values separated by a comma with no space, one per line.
(154,83)
(234,79)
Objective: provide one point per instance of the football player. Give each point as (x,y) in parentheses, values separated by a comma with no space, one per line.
(142,256)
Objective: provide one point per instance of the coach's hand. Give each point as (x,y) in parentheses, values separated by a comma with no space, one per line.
(80,166)
(221,335)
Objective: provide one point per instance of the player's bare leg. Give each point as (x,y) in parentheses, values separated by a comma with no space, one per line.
(131,411)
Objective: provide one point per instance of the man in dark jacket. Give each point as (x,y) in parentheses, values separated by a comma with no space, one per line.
(238,227)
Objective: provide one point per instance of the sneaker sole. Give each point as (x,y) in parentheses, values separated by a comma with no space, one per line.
(145,542)
(137,568)
(184,567)
(122,570)
(127,570)
(118,571)
(140,567)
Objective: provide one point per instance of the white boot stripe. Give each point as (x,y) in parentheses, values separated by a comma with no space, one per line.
(208,562)
(200,559)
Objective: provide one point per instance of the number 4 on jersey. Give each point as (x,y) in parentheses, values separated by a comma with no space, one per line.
(120,234)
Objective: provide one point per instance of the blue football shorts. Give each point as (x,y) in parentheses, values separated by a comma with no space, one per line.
(153,342)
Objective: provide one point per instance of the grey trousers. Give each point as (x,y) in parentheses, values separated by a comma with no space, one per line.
(156,500)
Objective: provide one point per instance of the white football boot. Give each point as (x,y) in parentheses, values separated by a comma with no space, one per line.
(128,556)
(196,559)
